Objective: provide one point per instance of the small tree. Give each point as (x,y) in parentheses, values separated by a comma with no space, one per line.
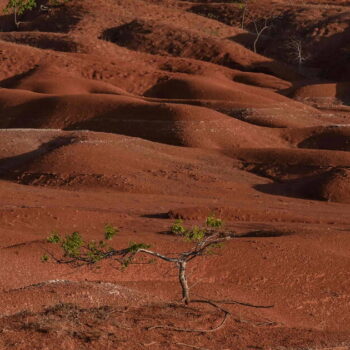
(19,7)
(244,7)
(259,30)
(296,52)
(204,240)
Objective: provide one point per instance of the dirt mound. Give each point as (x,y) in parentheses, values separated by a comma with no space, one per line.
(326,93)
(50,79)
(18,142)
(146,112)
(195,87)
(333,186)
(273,115)
(46,41)
(162,39)
(157,38)
(161,122)
(249,103)
(320,32)
(314,174)
(104,161)
(88,161)
(84,294)
(237,214)
(261,80)
(79,326)
(207,69)
(287,164)
(333,138)
(59,16)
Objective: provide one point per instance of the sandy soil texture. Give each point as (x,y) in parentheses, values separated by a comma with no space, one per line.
(136,113)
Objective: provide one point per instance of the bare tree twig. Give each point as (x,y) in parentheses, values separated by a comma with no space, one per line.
(259,32)
(244,7)
(296,51)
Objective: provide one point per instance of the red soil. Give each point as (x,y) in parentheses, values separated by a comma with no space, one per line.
(136,113)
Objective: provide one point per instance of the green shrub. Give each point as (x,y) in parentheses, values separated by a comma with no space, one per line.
(205,240)
(18,7)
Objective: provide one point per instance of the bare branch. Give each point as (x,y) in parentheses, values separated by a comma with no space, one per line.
(259,32)
(244,7)
(160,256)
(296,51)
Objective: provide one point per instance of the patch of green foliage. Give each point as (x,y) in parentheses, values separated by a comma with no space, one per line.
(71,244)
(77,249)
(177,227)
(54,237)
(212,221)
(135,247)
(196,234)
(20,6)
(44,258)
(110,232)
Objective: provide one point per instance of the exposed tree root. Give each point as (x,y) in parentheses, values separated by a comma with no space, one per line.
(190,330)
(213,303)
(228,302)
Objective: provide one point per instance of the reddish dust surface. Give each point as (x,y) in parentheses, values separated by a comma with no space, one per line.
(136,113)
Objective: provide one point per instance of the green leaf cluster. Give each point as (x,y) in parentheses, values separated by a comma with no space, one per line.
(74,246)
(54,238)
(44,258)
(135,247)
(177,228)
(78,250)
(196,233)
(71,244)
(20,6)
(110,232)
(212,221)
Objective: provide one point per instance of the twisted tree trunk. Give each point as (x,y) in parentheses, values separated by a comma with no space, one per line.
(183,282)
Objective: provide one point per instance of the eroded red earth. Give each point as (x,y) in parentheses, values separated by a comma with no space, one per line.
(135,113)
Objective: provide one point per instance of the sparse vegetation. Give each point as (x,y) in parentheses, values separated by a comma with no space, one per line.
(18,7)
(244,7)
(259,29)
(177,227)
(296,52)
(45,258)
(205,240)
